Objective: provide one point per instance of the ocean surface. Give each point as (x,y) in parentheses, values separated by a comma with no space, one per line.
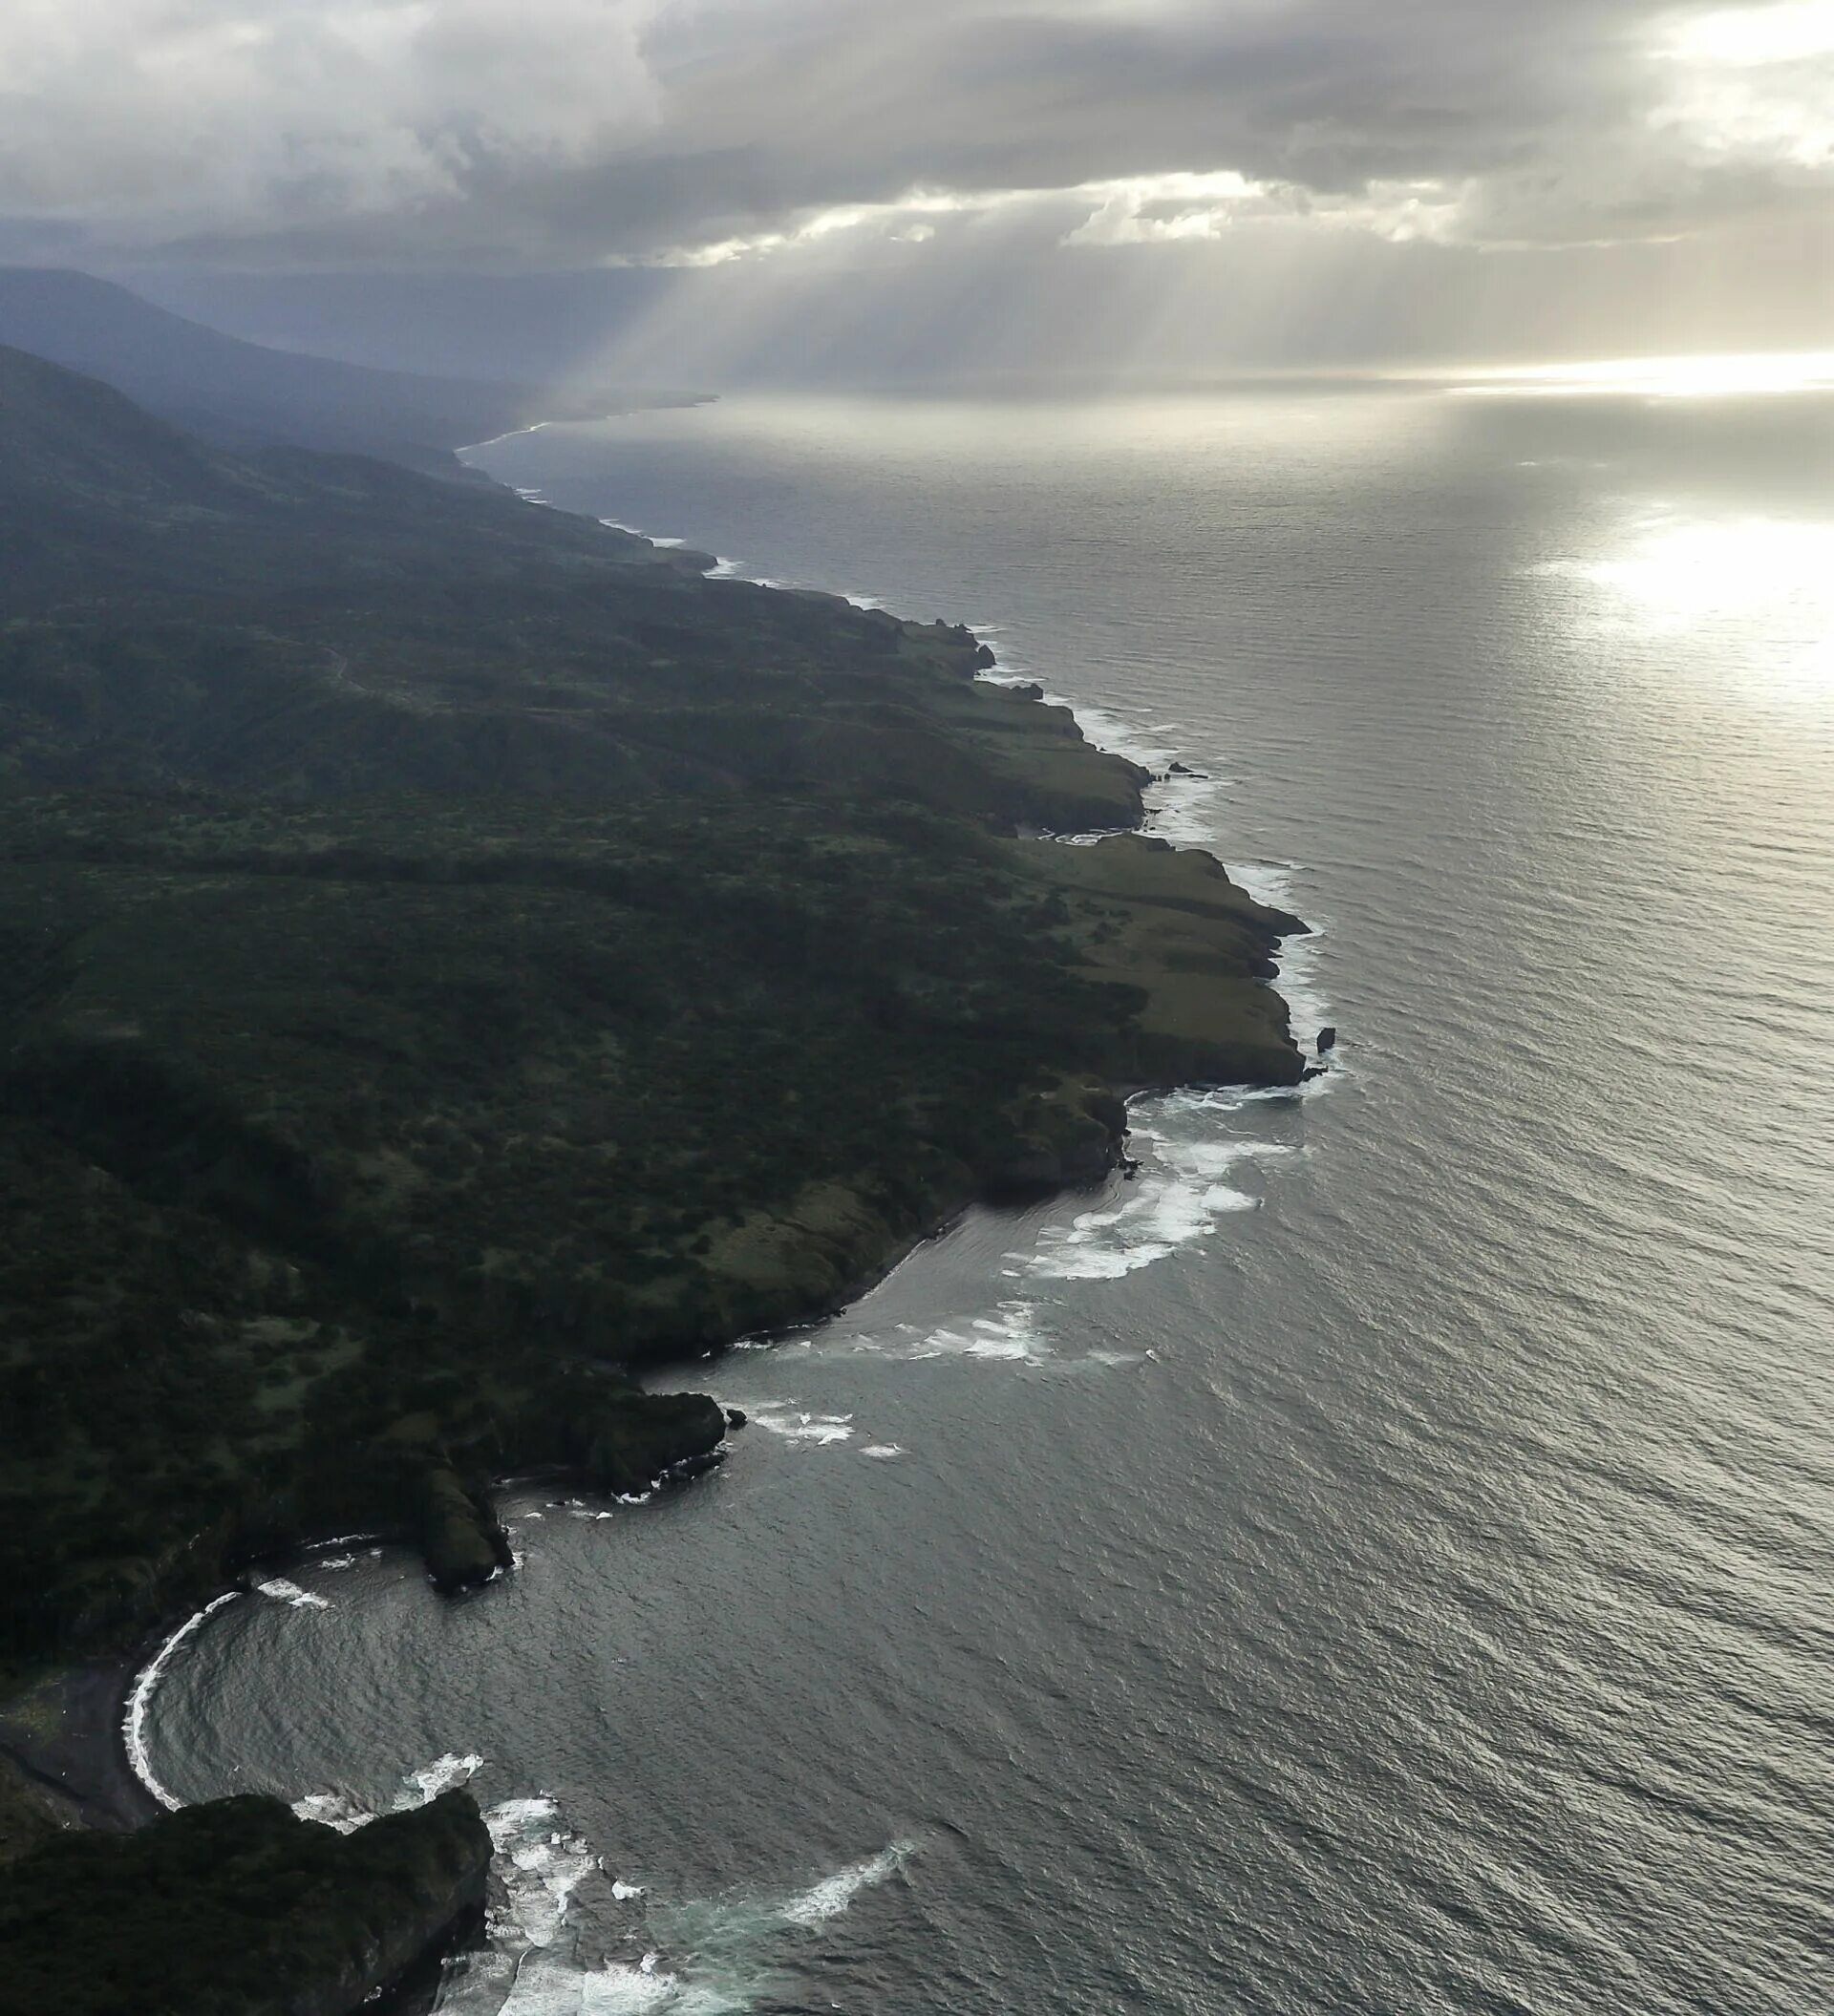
(1382,1559)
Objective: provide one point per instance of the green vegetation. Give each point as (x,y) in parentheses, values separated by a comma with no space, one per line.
(453,956)
(29,1815)
(236,1908)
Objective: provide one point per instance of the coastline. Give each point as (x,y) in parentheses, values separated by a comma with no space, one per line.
(82,1735)
(67,1735)
(107,1751)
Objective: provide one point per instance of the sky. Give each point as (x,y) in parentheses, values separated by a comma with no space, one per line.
(1242,180)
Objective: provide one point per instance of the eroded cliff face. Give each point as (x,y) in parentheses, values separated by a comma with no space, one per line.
(237,1908)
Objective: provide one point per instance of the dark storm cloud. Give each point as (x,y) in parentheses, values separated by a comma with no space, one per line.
(558,132)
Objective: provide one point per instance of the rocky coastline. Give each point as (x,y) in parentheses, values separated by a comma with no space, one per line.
(503,1093)
(65,1738)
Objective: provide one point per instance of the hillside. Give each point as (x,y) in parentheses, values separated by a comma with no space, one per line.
(246,395)
(456,955)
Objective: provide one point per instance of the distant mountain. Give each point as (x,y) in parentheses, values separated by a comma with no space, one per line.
(244,395)
(534,327)
(101,500)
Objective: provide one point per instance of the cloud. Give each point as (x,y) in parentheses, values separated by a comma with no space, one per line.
(550,133)
(152,120)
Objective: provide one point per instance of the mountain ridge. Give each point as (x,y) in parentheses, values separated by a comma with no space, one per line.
(246,395)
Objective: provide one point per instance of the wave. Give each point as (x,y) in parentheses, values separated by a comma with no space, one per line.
(140,1698)
(667,543)
(715,1958)
(783,1417)
(1180,1197)
(833,1895)
(736,570)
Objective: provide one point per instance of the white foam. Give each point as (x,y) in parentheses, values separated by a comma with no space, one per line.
(1008,1333)
(442,1774)
(542,1862)
(1272,882)
(283,1591)
(734,570)
(885,1452)
(834,1894)
(513,433)
(333,1809)
(784,1418)
(345,1812)
(694,1959)
(1181,1194)
(140,1700)
(665,540)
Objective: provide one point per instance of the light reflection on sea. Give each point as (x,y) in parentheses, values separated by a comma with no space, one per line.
(1381,1559)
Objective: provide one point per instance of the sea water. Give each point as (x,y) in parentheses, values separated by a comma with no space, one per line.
(1381,1559)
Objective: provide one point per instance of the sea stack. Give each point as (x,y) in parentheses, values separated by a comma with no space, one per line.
(1327,1041)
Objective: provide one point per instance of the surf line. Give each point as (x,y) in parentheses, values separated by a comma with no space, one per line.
(141,1699)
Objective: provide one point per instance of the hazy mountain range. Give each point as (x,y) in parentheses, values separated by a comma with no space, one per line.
(243,395)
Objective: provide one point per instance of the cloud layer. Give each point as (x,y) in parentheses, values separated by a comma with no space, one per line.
(551,132)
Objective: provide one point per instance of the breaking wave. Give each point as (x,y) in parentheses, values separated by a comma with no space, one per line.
(283,1591)
(784,1418)
(140,1700)
(695,1959)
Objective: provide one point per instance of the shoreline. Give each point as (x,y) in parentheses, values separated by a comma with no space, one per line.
(83,1759)
(96,1756)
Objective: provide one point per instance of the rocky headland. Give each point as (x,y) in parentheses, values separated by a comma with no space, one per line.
(238,1908)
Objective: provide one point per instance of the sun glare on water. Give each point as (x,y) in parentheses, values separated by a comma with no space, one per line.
(1726,375)
(1765,584)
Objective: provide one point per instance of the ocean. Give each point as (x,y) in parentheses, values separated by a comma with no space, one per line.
(1379,1561)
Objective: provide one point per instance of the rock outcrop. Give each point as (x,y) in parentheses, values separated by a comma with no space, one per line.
(461,1536)
(237,1908)
(631,1446)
